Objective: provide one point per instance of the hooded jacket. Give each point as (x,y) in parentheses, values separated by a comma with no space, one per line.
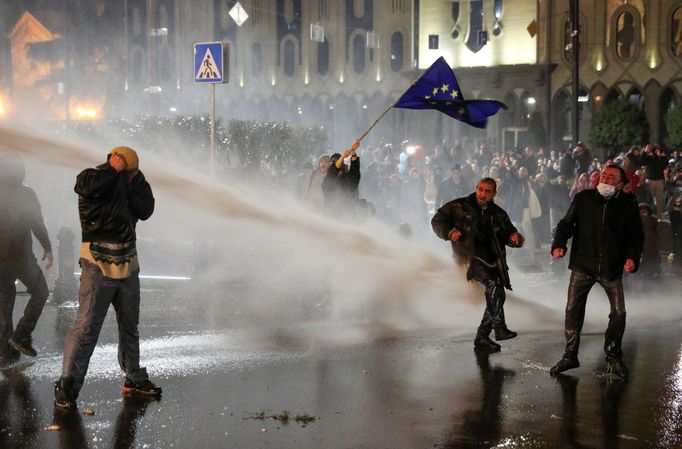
(605,234)
(109,206)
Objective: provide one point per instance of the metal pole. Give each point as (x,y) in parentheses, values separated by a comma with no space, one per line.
(212,128)
(575,46)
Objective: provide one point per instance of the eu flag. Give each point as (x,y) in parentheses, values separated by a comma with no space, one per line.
(437,89)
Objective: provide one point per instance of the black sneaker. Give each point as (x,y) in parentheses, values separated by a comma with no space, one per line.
(23,345)
(564,364)
(617,368)
(145,387)
(64,395)
(502,333)
(484,343)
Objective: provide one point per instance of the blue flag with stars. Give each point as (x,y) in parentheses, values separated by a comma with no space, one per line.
(437,89)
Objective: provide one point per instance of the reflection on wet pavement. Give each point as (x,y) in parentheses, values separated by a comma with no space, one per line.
(367,386)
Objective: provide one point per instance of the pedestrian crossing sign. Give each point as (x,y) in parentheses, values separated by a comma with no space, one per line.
(211,62)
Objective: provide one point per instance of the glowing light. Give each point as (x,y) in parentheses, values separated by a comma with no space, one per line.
(241,79)
(378,73)
(597,98)
(583,98)
(530,100)
(173,109)
(273,79)
(3,111)
(85,113)
(306,77)
(341,78)
(410,149)
(653,62)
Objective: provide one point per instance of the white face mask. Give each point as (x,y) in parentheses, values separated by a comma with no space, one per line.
(606,190)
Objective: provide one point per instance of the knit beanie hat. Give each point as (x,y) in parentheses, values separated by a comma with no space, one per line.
(129,155)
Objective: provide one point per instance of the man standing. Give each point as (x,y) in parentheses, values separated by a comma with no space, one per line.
(20,215)
(478,230)
(453,187)
(111,198)
(607,239)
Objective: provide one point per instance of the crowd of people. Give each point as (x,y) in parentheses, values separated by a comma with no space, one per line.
(406,186)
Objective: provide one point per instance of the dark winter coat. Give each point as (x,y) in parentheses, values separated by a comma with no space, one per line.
(605,234)
(20,215)
(109,206)
(340,187)
(477,227)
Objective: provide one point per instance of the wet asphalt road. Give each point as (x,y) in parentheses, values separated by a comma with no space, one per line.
(366,387)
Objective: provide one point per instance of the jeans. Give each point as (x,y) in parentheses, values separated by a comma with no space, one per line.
(29,273)
(578,288)
(95,295)
(493,317)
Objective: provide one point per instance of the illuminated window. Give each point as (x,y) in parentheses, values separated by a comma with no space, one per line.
(626,33)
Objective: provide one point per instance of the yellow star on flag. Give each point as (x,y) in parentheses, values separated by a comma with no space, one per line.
(461,111)
(454,94)
(435,90)
(444,88)
(427,97)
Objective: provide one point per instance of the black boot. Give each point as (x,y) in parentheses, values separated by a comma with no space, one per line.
(23,343)
(564,364)
(502,333)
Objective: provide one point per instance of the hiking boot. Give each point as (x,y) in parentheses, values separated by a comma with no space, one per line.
(23,345)
(64,395)
(483,342)
(502,333)
(564,364)
(144,387)
(616,368)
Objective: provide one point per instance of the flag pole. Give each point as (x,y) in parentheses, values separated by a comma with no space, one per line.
(389,108)
(376,121)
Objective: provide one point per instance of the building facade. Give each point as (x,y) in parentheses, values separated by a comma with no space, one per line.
(341,63)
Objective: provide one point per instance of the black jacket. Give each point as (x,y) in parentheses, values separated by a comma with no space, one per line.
(477,226)
(20,215)
(109,206)
(340,187)
(605,233)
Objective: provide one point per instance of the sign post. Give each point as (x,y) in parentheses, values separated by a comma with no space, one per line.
(211,64)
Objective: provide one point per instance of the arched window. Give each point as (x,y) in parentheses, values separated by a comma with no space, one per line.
(635,97)
(396,51)
(323,57)
(256,60)
(676,32)
(359,53)
(667,103)
(612,96)
(626,35)
(289,56)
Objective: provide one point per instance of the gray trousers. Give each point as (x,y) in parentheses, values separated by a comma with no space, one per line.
(96,293)
(29,273)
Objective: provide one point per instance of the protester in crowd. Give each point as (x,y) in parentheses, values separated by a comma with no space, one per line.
(656,162)
(340,185)
(312,192)
(111,199)
(606,229)
(20,218)
(478,230)
(453,187)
